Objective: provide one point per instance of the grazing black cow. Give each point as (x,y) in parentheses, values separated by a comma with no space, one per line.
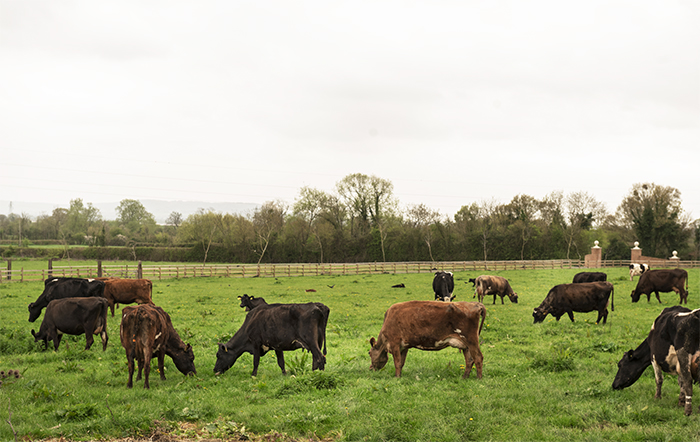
(674,280)
(638,269)
(590,277)
(58,288)
(147,330)
(443,286)
(496,286)
(580,297)
(74,316)
(278,327)
(473,281)
(672,346)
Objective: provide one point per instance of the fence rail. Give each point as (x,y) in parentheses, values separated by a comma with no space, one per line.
(159,272)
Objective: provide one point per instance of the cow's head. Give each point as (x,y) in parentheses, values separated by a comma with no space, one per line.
(246,302)
(539,314)
(631,366)
(34,311)
(443,285)
(513,297)
(378,356)
(184,360)
(224,359)
(635,295)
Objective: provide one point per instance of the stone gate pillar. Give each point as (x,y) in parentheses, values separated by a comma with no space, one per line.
(636,253)
(595,258)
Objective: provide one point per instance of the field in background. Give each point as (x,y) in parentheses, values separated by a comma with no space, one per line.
(549,381)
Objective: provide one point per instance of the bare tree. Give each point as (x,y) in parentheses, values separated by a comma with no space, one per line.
(268,219)
(423,218)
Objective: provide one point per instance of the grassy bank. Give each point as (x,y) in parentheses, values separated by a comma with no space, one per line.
(549,381)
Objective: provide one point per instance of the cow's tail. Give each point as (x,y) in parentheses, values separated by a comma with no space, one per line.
(612,299)
(482,312)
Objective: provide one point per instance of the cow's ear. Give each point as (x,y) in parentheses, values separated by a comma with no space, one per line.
(372,341)
(33,334)
(222,347)
(239,298)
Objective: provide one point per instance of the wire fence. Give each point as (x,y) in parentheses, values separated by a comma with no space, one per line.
(160,272)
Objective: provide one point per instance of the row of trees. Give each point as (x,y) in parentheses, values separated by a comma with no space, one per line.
(362,221)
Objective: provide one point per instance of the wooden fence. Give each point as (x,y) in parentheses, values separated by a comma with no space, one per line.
(159,272)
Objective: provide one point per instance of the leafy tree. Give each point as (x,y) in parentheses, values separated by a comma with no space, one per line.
(200,228)
(655,215)
(81,220)
(174,219)
(367,198)
(583,211)
(139,222)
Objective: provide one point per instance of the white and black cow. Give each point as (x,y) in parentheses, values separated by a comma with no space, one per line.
(638,269)
(580,297)
(444,286)
(672,346)
(278,327)
(74,316)
(58,288)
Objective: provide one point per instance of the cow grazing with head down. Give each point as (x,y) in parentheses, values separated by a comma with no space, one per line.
(429,325)
(443,286)
(278,327)
(127,291)
(496,286)
(74,316)
(590,277)
(59,288)
(146,330)
(638,269)
(672,346)
(580,297)
(674,280)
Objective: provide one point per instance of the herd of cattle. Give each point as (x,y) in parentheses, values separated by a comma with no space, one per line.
(79,306)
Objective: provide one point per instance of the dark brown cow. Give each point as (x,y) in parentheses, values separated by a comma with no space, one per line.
(146,330)
(58,288)
(580,297)
(495,285)
(674,280)
(590,277)
(74,316)
(429,325)
(278,327)
(127,291)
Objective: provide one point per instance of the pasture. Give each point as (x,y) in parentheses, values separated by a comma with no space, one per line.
(549,381)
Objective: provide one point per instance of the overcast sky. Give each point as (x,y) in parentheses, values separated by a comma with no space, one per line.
(454,102)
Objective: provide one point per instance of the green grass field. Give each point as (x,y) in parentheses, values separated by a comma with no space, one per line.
(549,381)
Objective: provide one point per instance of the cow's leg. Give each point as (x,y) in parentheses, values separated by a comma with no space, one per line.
(130,364)
(657,296)
(477,357)
(256,361)
(56,340)
(280,360)
(685,381)
(494,298)
(161,364)
(502,303)
(105,338)
(468,363)
(602,314)
(658,376)
(111,306)
(571,315)
(399,359)
(146,367)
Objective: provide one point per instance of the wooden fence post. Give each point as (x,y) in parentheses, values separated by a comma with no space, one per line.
(99,268)
(139,271)
(50,272)
(9,269)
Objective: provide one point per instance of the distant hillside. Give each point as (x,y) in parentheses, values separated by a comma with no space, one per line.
(160,209)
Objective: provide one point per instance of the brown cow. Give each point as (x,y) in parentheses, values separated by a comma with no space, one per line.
(127,291)
(662,281)
(147,330)
(429,325)
(495,285)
